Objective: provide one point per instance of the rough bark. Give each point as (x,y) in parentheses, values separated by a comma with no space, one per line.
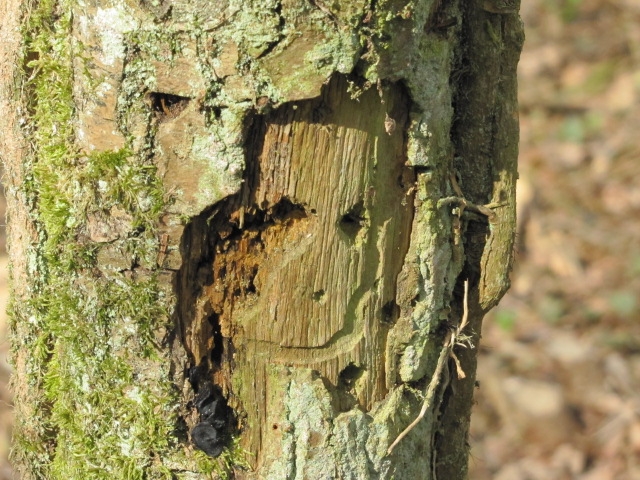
(245,227)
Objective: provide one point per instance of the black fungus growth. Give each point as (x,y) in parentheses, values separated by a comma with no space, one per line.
(212,433)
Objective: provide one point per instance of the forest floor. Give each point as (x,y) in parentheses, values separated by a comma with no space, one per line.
(559,368)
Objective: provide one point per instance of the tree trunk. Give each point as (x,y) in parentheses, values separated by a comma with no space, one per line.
(241,231)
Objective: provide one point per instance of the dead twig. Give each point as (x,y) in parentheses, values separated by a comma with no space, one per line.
(450,340)
(463,203)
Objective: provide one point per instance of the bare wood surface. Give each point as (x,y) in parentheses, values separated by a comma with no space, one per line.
(305,264)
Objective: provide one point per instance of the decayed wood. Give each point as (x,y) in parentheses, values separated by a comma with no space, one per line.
(306,256)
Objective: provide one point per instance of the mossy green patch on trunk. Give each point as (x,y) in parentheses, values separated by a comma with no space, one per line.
(97,371)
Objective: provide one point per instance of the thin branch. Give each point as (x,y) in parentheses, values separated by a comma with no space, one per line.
(465,309)
(431,390)
(459,371)
(446,352)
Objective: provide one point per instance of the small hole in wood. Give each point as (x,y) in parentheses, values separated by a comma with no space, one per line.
(353,221)
(167,105)
(349,375)
(216,112)
(284,211)
(390,312)
(318,296)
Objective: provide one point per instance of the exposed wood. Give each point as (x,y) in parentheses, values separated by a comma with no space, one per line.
(305,258)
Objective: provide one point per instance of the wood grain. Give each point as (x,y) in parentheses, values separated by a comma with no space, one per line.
(306,257)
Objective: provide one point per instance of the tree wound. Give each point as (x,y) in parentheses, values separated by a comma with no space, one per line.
(303,261)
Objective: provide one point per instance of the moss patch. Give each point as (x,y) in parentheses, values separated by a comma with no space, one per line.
(97,372)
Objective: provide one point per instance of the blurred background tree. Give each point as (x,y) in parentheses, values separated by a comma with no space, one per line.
(559,368)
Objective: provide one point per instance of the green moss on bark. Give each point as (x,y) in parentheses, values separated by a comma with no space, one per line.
(97,372)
